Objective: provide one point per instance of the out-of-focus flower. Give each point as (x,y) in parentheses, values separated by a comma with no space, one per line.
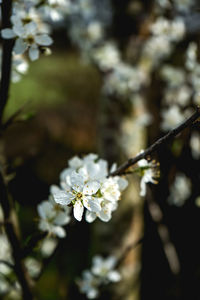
(124,80)
(33,266)
(89,285)
(150,172)
(183,5)
(106,56)
(172,117)
(180,190)
(174,77)
(104,269)
(53,216)
(102,272)
(195,145)
(48,246)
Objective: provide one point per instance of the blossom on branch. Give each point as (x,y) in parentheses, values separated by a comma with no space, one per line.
(150,172)
(29,33)
(85,185)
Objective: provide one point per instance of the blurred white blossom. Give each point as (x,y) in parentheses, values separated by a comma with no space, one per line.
(102,272)
(195,145)
(33,266)
(149,171)
(180,190)
(48,246)
(53,216)
(172,117)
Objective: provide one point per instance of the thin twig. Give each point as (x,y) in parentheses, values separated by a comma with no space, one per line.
(168,247)
(6,8)
(128,249)
(19,268)
(13,117)
(171,134)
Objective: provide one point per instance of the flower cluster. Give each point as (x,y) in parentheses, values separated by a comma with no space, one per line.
(124,80)
(28,31)
(181,94)
(85,185)
(102,272)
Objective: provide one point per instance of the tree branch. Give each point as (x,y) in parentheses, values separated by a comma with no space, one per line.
(128,249)
(6,9)
(19,268)
(171,134)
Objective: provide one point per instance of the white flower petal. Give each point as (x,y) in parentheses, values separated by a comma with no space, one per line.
(78,210)
(63,198)
(90,216)
(19,30)
(92,203)
(59,231)
(45,210)
(75,162)
(30,28)
(92,293)
(143,187)
(7,33)
(20,46)
(62,219)
(77,181)
(91,187)
(114,276)
(34,52)
(123,183)
(54,189)
(43,40)
(104,216)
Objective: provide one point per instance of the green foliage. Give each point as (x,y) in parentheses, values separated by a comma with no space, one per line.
(52,81)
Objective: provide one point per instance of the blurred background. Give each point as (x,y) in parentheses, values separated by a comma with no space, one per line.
(73,107)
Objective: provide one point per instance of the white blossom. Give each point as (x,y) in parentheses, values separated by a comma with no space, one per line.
(180,96)
(106,56)
(104,269)
(102,272)
(175,77)
(53,216)
(33,266)
(89,285)
(149,172)
(29,32)
(172,117)
(180,190)
(48,246)
(124,80)
(55,9)
(195,145)
(191,56)
(85,185)
(171,30)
